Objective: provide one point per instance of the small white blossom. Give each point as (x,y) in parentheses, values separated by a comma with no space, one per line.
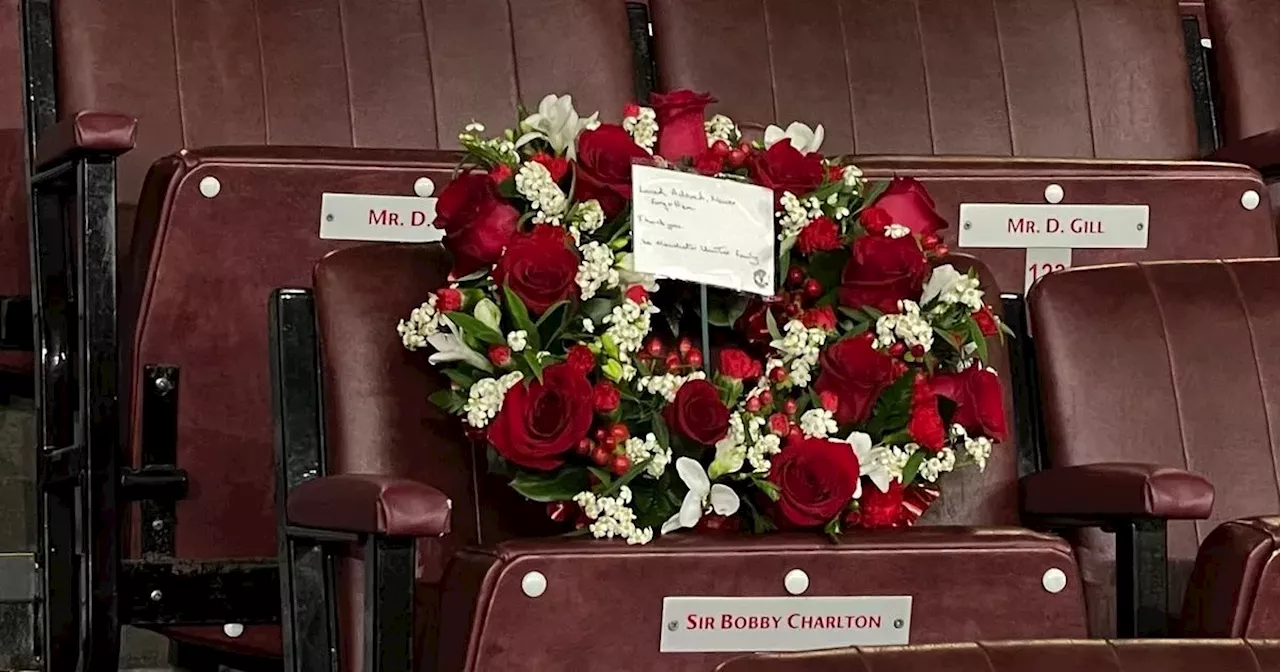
(587,216)
(596,269)
(424,322)
(799,348)
(882,465)
(668,384)
(638,450)
(896,231)
(794,216)
(951,286)
(629,324)
(851,176)
(474,128)
(803,138)
(933,467)
(720,127)
(908,326)
(518,340)
(978,450)
(613,517)
(801,374)
(818,423)
(643,127)
(760,450)
(534,182)
(588,326)
(485,398)
(703,497)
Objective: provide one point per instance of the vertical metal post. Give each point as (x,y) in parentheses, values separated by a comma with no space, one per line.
(1142,579)
(388,596)
(706,331)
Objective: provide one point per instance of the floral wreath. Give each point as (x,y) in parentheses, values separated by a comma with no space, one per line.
(836,403)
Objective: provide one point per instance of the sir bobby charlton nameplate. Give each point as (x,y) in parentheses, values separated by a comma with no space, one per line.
(703,229)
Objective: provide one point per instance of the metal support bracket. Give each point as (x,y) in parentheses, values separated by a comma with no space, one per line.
(158,484)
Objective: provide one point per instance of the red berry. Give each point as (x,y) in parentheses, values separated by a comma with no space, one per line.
(897,350)
(942,250)
(684,346)
(917,351)
(790,407)
(736,158)
(609,443)
(753,404)
(637,293)
(930,241)
(721,149)
(829,400)
(600,434)
(621,464)
(694,359)
(619,432)
(795,276)
(766,397)
(500,355)
(654,347)
(792,310)
(584,447)
(812,288)
(777,374)
(673,360)
(448,300)
(779,424)
(631,110)
(601,455)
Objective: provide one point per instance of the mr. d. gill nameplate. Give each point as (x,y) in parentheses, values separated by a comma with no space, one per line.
(701,229)
(374,217)
(1062,226)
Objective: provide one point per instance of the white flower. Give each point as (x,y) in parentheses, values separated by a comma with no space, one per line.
(613,517)
(638,450)
(518,340)
(588,326)
(950,286)
(629,324)
(558,123)
(587,216)
(449,347)
(485,398)
(720,127)
(535,183)
(800,135)
(643,127)
(978,450)
(933,467)
(896,231)
(760,450)
(909,326)
(818,423)
(702,497)
(851,176)
(730,455)
(882,465)
(424,322)
(794,216)
(668,384)
(799,347)
(596,269)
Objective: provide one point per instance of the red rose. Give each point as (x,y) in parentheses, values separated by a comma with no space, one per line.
(986,322)
(926,426)
(556,165)
(881,509)
(820,235)
(875,220)
(816,479)
(539,267)
(882,272)
(681,115)
(697,413)
(605,397)
(909,204)
(856,373)
(540,421)
(822,317)
(753,325)
(737,364)
(605,157)
(580,358)
(784,168)
(978,398)
(477,223)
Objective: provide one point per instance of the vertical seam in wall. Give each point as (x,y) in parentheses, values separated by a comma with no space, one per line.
(1173,381)
(177,72)
(848,75)
(768,42)
(1088,87)
(346,69)
(924,67)
(262,71)
(515,61)
(1257,368)
(1004,80)
(431,74)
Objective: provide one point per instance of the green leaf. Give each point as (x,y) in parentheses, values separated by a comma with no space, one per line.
(772,324)
(912,467)
(833,530)
(730,390)
(625,479)
(723,310)
(825,267)
(553,323)
(460,377)
(476,329)
(596,309)
(520,315)
(449,400)
(893,409)
(557,486)
(605,478)
(660,432)
(530,357)
(497,465)
(767,487)
(873,192)
(975,333)
(948,337)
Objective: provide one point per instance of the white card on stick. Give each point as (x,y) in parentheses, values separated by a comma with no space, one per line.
(1060,226)
(379,218)
(702,229)
(698,624)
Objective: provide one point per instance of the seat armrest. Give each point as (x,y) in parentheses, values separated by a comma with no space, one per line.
(86,133)
(1117,490)
(370,504)
(1260,152)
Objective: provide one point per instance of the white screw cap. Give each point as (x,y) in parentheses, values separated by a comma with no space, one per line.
(534,584)
(424,187)
(210,186)
(796,581)
(1054,580)
(1250,199)
(233,630)
(1053,193)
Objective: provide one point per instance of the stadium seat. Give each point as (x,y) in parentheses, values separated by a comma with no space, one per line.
(1247,63)
(1170,363)
(275,104)
(15,264)
(1042,656)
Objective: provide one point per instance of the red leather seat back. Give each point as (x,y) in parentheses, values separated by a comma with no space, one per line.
(1030,656)
(1172,363)
(15,259)
(1062,78)
(1247,57)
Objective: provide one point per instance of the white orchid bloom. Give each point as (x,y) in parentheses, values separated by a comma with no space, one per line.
(449,347)
(702,493)
(870,464)
(729,458)
(944,277)
(557,122)
(803,138)
(627,274)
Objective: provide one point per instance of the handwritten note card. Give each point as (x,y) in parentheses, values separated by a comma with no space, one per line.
(702,229)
